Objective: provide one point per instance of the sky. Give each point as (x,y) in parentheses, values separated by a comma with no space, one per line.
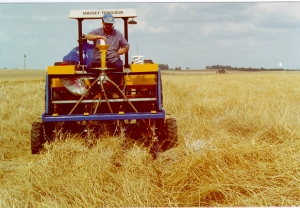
(188,35)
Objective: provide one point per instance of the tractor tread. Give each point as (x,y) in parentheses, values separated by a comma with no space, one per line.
(37,137)
(170,136)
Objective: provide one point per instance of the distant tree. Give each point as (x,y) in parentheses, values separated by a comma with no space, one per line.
(163,66)
(218,67)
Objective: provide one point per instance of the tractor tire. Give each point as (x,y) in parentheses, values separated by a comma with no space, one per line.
(170,135)
(37,137)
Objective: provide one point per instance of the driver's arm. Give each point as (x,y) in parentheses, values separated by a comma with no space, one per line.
(94,37)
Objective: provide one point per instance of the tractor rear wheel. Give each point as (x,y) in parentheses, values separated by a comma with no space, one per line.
(170,135)
(37,137)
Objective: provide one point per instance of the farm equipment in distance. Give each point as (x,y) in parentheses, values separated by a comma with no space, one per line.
(221,71)
(88,104)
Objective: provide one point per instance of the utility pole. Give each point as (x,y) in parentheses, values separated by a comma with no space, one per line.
(24,61)
(24,64)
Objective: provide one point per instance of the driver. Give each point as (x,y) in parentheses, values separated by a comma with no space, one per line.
(114,38)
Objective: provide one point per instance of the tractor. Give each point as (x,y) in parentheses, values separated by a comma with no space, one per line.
(91,103)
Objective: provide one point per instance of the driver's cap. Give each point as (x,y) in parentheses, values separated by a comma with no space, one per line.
(108,18)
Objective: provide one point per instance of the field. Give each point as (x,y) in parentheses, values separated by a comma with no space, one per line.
(239,145)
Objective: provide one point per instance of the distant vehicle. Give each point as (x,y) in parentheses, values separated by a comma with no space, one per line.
(221,71)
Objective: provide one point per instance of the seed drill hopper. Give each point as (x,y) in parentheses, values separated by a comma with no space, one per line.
(132,109)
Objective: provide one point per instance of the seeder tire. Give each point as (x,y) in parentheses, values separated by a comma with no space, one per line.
(37,137)
(170,134)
